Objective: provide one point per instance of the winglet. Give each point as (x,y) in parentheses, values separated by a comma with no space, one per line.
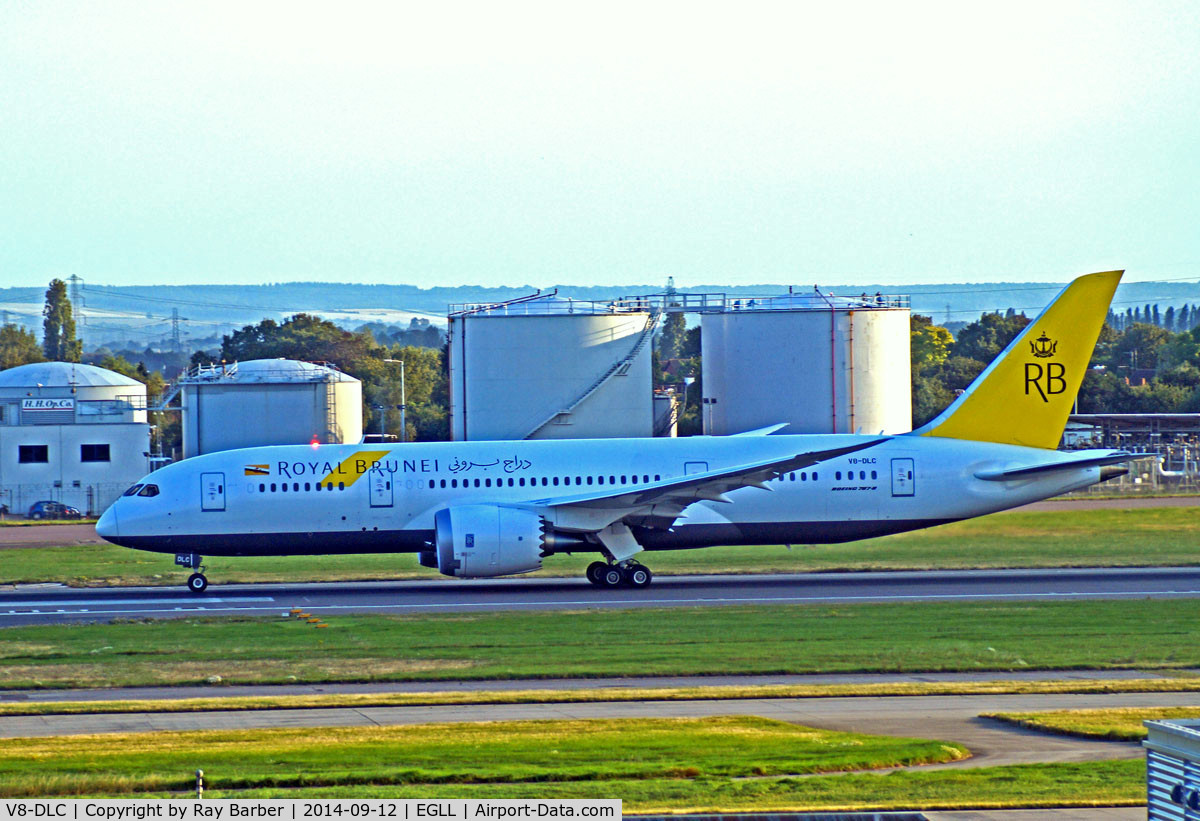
(1025,395)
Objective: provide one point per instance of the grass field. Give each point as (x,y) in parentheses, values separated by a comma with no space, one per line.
(1099,538)
(1146,634)
(575,696)
(525,752)
(1117,725)
(1092,784)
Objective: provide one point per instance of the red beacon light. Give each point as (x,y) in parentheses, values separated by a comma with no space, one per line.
(315,443)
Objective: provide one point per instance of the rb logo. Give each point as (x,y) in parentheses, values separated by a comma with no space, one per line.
(1047,380)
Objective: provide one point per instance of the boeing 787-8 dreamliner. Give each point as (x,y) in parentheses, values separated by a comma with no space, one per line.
(484,509)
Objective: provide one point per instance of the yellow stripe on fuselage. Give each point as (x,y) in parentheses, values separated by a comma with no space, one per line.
(354,467)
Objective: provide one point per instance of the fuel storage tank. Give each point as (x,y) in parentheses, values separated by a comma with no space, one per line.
(268,402)
(821,363)
(551,368)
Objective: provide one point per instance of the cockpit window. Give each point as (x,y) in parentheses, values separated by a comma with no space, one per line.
(148,490)
(132,491)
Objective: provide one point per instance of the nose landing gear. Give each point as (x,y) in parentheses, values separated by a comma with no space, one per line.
(626,574)
(196,583)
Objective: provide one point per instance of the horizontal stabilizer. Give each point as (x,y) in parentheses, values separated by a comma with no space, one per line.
(1114,458)
(767,431)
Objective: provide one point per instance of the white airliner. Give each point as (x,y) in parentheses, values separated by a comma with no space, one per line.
(484,509)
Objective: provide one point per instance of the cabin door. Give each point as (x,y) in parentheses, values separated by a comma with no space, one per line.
(212,491)
(381,488)
(903,479)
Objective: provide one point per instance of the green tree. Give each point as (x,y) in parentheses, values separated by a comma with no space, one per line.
(988,336)
(18,347)
(1138,347)
(58,326)
(929,344)
(673,336)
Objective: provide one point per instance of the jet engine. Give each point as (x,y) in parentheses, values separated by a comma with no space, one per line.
(488,540)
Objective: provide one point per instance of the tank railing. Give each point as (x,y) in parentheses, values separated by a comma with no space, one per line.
(217,372)
(465,308)
(548,304)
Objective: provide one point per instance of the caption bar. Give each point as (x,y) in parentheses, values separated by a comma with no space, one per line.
(305,810)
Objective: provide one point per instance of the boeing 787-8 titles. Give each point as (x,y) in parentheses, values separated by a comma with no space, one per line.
(484,509)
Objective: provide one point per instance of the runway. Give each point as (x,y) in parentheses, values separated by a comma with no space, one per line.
(44,604)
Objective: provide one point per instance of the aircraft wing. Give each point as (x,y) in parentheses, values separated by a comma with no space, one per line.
(681,491)
(1113,458)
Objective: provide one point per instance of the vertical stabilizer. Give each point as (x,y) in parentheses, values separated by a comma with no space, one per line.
(1026,394)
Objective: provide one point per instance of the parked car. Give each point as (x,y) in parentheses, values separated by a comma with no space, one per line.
(53,510)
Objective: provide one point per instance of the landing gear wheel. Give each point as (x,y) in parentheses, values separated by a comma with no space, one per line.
(197,583)
(612,576)
(595,572)
(637,575)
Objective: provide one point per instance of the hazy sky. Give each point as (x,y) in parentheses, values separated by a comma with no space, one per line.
(513,143)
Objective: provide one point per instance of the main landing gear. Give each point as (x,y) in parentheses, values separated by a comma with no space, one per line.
(626,574)
(196,583)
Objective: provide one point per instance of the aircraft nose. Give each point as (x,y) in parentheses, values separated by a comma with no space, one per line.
(106,527)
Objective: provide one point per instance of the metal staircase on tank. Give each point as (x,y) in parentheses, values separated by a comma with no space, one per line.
(619,368)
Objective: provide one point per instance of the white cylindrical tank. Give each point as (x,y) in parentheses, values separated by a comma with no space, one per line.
(832,365)
(269,402)
(550,369)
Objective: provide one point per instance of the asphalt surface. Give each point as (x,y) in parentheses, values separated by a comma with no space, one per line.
(41,604)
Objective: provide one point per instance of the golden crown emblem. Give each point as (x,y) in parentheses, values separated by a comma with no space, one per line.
(1042,347)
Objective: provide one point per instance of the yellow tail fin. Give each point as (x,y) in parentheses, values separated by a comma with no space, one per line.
(1025,395)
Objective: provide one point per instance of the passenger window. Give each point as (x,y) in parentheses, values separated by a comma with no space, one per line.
(545,481)
(511,482)
(556,481)
(476,483)
(272,487)
(307,487)
(148,490)
(453,483)
(874,475)
(283,487)
(837,475)
(589,480)
(612,480)
(657,477)
(803,477)
(579,480)
(622,480)
(645,479)
(132,491)
(521,481)
(296,487)
(341,485)
(600,480)
(814,476)
(261,487)
(487,482)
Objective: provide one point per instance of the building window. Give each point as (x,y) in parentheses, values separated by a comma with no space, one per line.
(94,453)
(29,454)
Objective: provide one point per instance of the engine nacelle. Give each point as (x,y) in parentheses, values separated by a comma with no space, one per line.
(487,540)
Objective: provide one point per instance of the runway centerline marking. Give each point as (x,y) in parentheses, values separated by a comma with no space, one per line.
(200,607)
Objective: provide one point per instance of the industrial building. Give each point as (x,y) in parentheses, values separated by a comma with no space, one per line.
(543,367)
(551,368)
(268,402)
(1172,769)
(70,433)
(821,363)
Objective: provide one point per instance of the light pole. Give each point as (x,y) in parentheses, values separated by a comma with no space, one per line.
(403,401)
